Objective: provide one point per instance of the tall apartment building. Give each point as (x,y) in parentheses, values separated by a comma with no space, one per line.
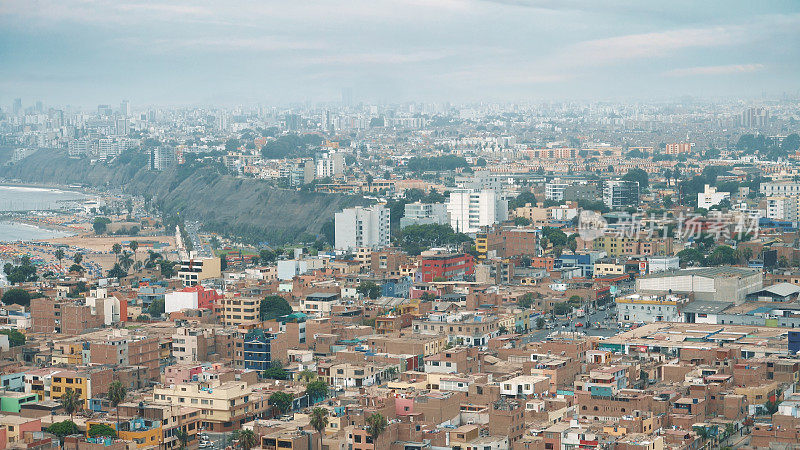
(782,208)
(754,117)
(362,227)
(419,213)
(237,311)
(472,209)
(331,165)
(620,193)
(554,190)
(677,148)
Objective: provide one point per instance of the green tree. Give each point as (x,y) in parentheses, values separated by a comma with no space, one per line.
(133,246)
(100,225)
(15,338)
(274,306)
(376,425)
(526,301)
(17,296)
(561,308)
(369,289)
(117,272)
(281,401)
(247,439)
(413,239)
(521,221)
(540,323)
(167,269)
(116,395)
(117,249)
(102,430)
(266,256)
(637,175)
(126,261)
(318,421)
(77,258)
(183,437)
(59,256)
(156,308)
(317,390)
(64,428)
(71,402)
(306,375)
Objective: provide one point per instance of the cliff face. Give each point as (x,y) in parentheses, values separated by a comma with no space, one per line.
(249,208)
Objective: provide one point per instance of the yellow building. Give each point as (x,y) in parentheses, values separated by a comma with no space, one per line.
(482,244)
(608,269)
(68,353)
(144,433)
(70,380)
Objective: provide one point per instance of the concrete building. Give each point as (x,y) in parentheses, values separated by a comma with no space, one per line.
(710,197)
(638,308)
(471,209)
(720,284)
(362,227)
(194,270)
(419,213)
(657,264)
(782,208)
(620,193)
(780,188)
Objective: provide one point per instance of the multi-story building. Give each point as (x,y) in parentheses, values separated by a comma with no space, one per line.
(237,311)
(446,267)
(419,213)
(471,209)
(637,308)
(620,193)
(719,284)
(223,406)
(257,351)
(190,345)
(754,117)
(362,227)
(677,148)
(783,208)
(780,189)
(711,197)
(194,270)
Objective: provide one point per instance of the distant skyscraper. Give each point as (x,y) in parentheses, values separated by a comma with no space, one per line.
(17,105)
(104,110)
(471,209)
(347,97)
(125,108)
(620,193)
(123,126)
(754,117)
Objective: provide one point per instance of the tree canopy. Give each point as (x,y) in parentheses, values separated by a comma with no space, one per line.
(17,296)
(413,239)
(274,306)
(281,401)
(369,289)
(15,338)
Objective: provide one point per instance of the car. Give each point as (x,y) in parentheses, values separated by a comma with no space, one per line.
(205,444)
(578,325)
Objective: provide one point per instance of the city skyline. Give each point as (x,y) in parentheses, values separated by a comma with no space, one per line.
(86,53)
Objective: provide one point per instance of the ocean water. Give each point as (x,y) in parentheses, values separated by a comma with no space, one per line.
(14,231)
(19,198)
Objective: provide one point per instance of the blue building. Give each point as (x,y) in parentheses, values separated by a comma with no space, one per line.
(794,342)
(396,287)
(257,350)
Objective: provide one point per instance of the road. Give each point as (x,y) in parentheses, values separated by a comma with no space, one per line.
(607,320)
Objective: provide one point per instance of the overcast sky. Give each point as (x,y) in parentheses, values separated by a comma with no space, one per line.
(229,51)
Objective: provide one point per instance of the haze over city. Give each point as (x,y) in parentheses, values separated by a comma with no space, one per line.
(83,53)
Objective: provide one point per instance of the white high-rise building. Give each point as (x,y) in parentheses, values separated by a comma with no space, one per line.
(471,209)
(331,165)
(782,208)
(554,190)
(362,227)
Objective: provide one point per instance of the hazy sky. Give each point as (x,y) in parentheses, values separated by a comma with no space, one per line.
(176,52)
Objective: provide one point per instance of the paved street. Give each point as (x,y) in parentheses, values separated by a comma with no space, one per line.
(607,325)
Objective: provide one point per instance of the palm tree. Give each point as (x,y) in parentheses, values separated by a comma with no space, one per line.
(116,395)
(77,258)
(319,420)
(71,402)
(59,256)
(376,425)
(117,249)
(247,439)
(126,261)
(133,246)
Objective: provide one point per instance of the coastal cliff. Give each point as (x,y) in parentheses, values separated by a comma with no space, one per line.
(251,209)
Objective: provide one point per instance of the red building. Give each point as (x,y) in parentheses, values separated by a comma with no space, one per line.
(452,266)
